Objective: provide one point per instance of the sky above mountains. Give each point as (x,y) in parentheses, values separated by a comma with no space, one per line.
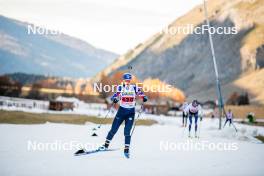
(117,25)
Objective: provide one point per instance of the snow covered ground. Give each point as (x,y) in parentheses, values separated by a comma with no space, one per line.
(162,149)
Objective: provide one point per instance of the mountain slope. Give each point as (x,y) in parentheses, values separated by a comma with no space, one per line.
(185,61)
(57,55)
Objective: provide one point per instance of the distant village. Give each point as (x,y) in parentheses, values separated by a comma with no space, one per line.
(44,93)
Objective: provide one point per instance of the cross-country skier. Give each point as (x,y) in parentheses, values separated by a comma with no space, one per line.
(126,94)
(184,115)
(193,109)
(229,117)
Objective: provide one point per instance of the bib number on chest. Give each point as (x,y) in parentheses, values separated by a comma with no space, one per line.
(128,99)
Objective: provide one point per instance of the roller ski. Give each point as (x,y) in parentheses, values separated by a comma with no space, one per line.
(87,152)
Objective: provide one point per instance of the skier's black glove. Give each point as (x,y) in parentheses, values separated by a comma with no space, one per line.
(201,118)
(115,100)
(145,99)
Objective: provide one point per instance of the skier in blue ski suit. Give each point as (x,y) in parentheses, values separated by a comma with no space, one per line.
(126,96)
(193,109)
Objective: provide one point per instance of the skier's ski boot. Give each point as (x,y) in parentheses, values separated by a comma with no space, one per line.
(189,135)
(126,153)
(105,146)
(196,135)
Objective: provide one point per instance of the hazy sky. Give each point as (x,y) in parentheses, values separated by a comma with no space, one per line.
(114,25)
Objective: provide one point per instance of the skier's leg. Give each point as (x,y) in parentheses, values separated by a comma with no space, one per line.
(127,130)
(195,121)
(183,116)
(115,125)
(186,119)
(190,124)
(229,122)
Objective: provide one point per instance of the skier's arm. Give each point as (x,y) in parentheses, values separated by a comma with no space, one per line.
(186,109)
(182,107)
(141,94)
(115,97)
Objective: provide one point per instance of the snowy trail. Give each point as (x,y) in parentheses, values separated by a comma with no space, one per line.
(148,157)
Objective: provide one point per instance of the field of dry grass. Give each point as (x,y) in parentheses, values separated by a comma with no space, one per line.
(32,118)
(242,111)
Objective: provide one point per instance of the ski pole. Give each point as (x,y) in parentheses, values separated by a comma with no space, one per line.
(200,126)
(184,128)
(112,105)
(139,113)
(234,126)
(225,117)
(224,125)
(183,131)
